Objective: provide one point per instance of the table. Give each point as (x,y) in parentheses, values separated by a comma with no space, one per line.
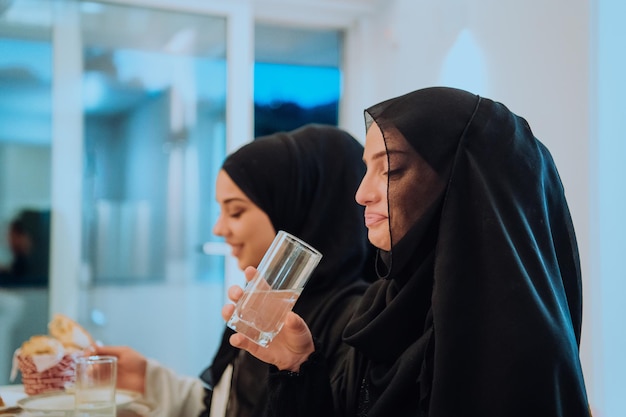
(12,393)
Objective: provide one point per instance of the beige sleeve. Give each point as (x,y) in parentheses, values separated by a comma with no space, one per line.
(173,395)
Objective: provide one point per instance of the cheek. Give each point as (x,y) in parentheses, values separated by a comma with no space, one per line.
(256,251)
(400,224)
(259,239)
(406,210)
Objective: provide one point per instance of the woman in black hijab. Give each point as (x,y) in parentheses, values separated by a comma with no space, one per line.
(478,308)
(304,181)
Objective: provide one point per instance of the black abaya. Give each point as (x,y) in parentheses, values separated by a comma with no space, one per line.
(478,309)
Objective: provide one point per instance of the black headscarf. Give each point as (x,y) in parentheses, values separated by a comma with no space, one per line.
(480,310)
(305,181)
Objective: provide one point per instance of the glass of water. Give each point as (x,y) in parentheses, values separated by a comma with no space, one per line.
(281,276)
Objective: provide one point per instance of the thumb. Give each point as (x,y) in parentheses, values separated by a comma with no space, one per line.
(296,324)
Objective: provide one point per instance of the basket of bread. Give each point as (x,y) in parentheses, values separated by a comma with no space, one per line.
(48,362)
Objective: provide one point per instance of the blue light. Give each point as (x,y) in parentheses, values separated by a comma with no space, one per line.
(305,85)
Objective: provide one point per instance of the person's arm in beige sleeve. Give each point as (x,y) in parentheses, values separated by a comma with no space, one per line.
(174,395)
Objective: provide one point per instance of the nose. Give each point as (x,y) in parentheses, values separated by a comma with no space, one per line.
(220,229)
(364,194)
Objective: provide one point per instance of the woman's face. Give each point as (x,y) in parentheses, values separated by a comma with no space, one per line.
(401,179)
(246,228)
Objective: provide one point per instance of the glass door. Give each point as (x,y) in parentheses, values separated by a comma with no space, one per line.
(154,136)
(112,128)
(25,163)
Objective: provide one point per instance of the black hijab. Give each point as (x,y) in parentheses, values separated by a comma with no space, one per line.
(305,181)
(480,310)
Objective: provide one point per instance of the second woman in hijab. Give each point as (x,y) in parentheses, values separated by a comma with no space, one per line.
(301,182)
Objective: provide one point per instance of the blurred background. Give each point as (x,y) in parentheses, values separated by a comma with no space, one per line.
(115,116)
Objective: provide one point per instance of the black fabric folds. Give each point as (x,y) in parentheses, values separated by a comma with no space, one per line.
(305,181)
(480,311)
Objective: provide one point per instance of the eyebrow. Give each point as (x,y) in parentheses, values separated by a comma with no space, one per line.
(389,151)
(234,200)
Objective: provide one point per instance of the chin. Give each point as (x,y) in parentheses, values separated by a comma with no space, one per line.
(379,240)
(242,264)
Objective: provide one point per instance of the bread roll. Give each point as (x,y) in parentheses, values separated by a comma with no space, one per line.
(70,333)
(42,345)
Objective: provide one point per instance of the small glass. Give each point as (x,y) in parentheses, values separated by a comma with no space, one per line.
(94,390)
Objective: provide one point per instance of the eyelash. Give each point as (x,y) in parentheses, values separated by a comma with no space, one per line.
(393,172)
(236,215)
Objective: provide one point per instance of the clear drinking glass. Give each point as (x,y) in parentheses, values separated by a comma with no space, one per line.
(94,394)
(272,293)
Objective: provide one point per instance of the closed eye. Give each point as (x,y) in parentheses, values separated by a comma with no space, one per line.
(395,172)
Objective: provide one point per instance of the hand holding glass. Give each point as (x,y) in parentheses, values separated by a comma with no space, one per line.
(281,276)
(96,377)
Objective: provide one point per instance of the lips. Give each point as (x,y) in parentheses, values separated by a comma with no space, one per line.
(374,219)
(235,249)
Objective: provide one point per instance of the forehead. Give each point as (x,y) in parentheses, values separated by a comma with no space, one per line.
(226,190)
(375,143)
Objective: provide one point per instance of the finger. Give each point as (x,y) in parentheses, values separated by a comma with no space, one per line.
(260,284)
(228,311)
(235,292)
(242,342)
(249,272)
(300,335)
(295,323)
(106,350)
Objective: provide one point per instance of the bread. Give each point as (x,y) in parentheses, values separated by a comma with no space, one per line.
(1,402)
(48,362)
(70,333)
(42,345)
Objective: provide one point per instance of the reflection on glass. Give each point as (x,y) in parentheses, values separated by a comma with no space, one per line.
(154,96)
(25,129)
(154,139)
(25,166)
(28,239)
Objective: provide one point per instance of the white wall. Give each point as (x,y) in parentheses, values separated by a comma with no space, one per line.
(608,111)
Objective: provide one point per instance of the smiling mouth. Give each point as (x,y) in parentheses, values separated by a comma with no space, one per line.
(235,250)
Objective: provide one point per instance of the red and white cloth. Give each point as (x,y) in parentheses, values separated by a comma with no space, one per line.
(44,373)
